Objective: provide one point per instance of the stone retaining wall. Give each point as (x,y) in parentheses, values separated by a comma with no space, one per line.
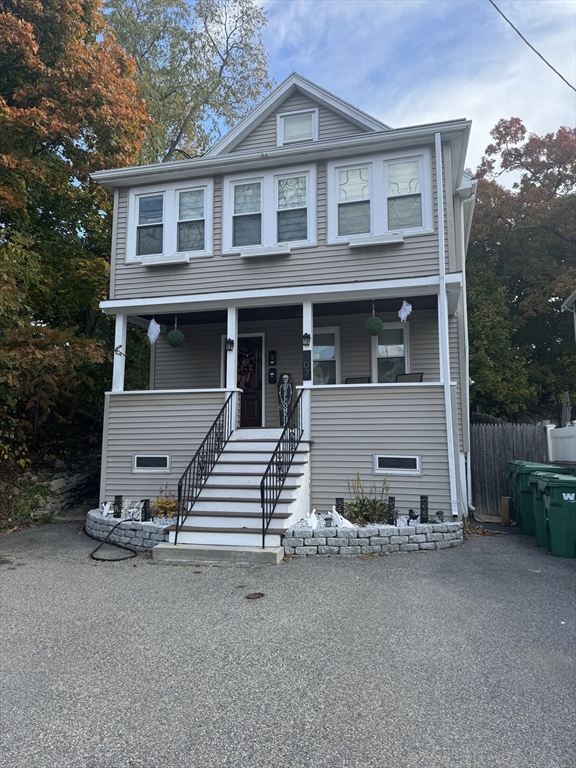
(372,540)
(131,534)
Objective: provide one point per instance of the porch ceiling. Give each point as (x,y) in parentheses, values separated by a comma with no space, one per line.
(332,309)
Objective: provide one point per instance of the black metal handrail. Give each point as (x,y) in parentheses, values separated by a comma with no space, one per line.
(199,469)
(277,470)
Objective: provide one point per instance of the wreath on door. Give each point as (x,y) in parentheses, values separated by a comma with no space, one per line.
(246,367)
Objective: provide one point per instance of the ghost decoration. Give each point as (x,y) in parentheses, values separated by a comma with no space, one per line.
(312,520)
(106,507)
(404,311)
(340,521)
(153,331)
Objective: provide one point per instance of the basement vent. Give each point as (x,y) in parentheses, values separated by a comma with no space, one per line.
(397,465)
(148,463)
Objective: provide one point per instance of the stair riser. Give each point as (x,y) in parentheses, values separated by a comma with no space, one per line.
(238,507)
(256,456)
(240,495)
(252,523)
(246,474)
(227,539)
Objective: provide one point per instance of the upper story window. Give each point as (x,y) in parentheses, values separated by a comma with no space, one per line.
(270,211)
(296,127)
(170,224)
(379,196)
(353,200)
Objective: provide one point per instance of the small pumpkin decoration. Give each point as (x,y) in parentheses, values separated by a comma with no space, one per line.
(175,338)
(373,326)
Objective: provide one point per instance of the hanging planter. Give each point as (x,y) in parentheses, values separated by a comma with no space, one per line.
(175,338)
(373,325)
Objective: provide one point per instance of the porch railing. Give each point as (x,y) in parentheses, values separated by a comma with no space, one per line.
(202,464)
(277,469)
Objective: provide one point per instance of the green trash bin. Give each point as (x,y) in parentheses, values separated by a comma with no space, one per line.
(538,501)
(560,506)
(520,490)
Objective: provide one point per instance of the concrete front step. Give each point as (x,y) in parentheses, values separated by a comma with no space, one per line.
(198,553)
(230,537)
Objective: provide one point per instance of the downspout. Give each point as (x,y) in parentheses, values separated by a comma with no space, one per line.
(443,334)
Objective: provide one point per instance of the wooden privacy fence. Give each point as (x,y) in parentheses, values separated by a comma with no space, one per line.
(492,446)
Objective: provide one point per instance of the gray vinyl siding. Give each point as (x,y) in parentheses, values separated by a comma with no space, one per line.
(197,362)
(312,265)
(453,335)
(349,426)
(152,423)
(330,125)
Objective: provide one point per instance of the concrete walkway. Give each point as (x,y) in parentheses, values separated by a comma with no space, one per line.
(461,658)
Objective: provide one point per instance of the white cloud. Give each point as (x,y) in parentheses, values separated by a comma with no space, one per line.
(416,61)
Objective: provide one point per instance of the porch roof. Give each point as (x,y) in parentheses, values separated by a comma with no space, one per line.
(270,297)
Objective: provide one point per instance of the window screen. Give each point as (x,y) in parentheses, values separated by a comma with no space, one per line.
(191,220)
(247,220)
(298,127)
(292,212)
(149,240)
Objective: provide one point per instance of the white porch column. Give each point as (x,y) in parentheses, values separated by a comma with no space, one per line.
(119,353)
(307,327)
(443,333)
(231,358)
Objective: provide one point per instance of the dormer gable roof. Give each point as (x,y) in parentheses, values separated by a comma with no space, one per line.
(292,84)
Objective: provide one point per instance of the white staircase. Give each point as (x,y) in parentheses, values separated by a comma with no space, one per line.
(228,510)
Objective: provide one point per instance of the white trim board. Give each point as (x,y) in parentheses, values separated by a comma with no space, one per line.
(269,297)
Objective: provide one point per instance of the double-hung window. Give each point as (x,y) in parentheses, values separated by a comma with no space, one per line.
(404,194)
(270,213)
(171,223)
(383,196)
(325,354)
(353,200)
(247,219)
(390,353)
(292,213)
(150,228)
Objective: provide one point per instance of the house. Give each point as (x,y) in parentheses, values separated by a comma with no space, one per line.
(268,255)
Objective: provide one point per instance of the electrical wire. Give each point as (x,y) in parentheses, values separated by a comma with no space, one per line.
(531,46)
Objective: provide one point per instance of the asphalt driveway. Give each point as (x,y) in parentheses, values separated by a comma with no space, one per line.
(462,657)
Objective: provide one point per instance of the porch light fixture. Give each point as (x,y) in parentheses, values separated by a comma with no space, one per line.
(306,339)
(229,345)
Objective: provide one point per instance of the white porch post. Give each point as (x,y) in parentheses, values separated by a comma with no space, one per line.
(307,327)
(443,333)
(119,353)
(231,357)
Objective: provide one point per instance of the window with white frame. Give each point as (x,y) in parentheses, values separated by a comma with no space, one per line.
(292,214)
(297,127)
(353,200)
(247,219)
(151,463)
(268,211)
(326,357)
(390,353)
(379,196)
(385,464)
(170,223)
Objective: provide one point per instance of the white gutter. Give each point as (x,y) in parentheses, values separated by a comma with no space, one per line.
(443,332)
(268,297)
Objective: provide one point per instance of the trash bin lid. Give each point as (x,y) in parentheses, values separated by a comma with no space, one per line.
(550,478)
(528,467)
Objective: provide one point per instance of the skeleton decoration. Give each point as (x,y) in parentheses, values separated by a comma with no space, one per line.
(404,311)
(153,331)
(285,395)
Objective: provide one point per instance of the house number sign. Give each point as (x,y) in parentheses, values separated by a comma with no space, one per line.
(306,365)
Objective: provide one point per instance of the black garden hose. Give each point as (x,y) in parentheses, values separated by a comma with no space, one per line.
(112,543)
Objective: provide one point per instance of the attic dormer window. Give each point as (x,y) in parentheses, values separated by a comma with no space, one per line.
(297,127)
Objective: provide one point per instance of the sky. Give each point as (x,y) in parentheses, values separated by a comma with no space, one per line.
(408,62)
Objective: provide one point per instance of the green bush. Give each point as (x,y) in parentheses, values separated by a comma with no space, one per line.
(367,506)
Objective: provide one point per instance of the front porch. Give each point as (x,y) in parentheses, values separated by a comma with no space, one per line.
(360,412)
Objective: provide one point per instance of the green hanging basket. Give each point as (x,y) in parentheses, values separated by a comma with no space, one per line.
(175,338)
(373,326)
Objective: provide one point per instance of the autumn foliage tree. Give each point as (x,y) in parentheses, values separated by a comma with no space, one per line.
(68,105)
(521,266)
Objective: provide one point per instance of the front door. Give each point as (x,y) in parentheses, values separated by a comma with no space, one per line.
(250,380)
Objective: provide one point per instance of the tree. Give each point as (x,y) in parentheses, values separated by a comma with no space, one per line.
(68,105)
(522,265)
(200,66)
